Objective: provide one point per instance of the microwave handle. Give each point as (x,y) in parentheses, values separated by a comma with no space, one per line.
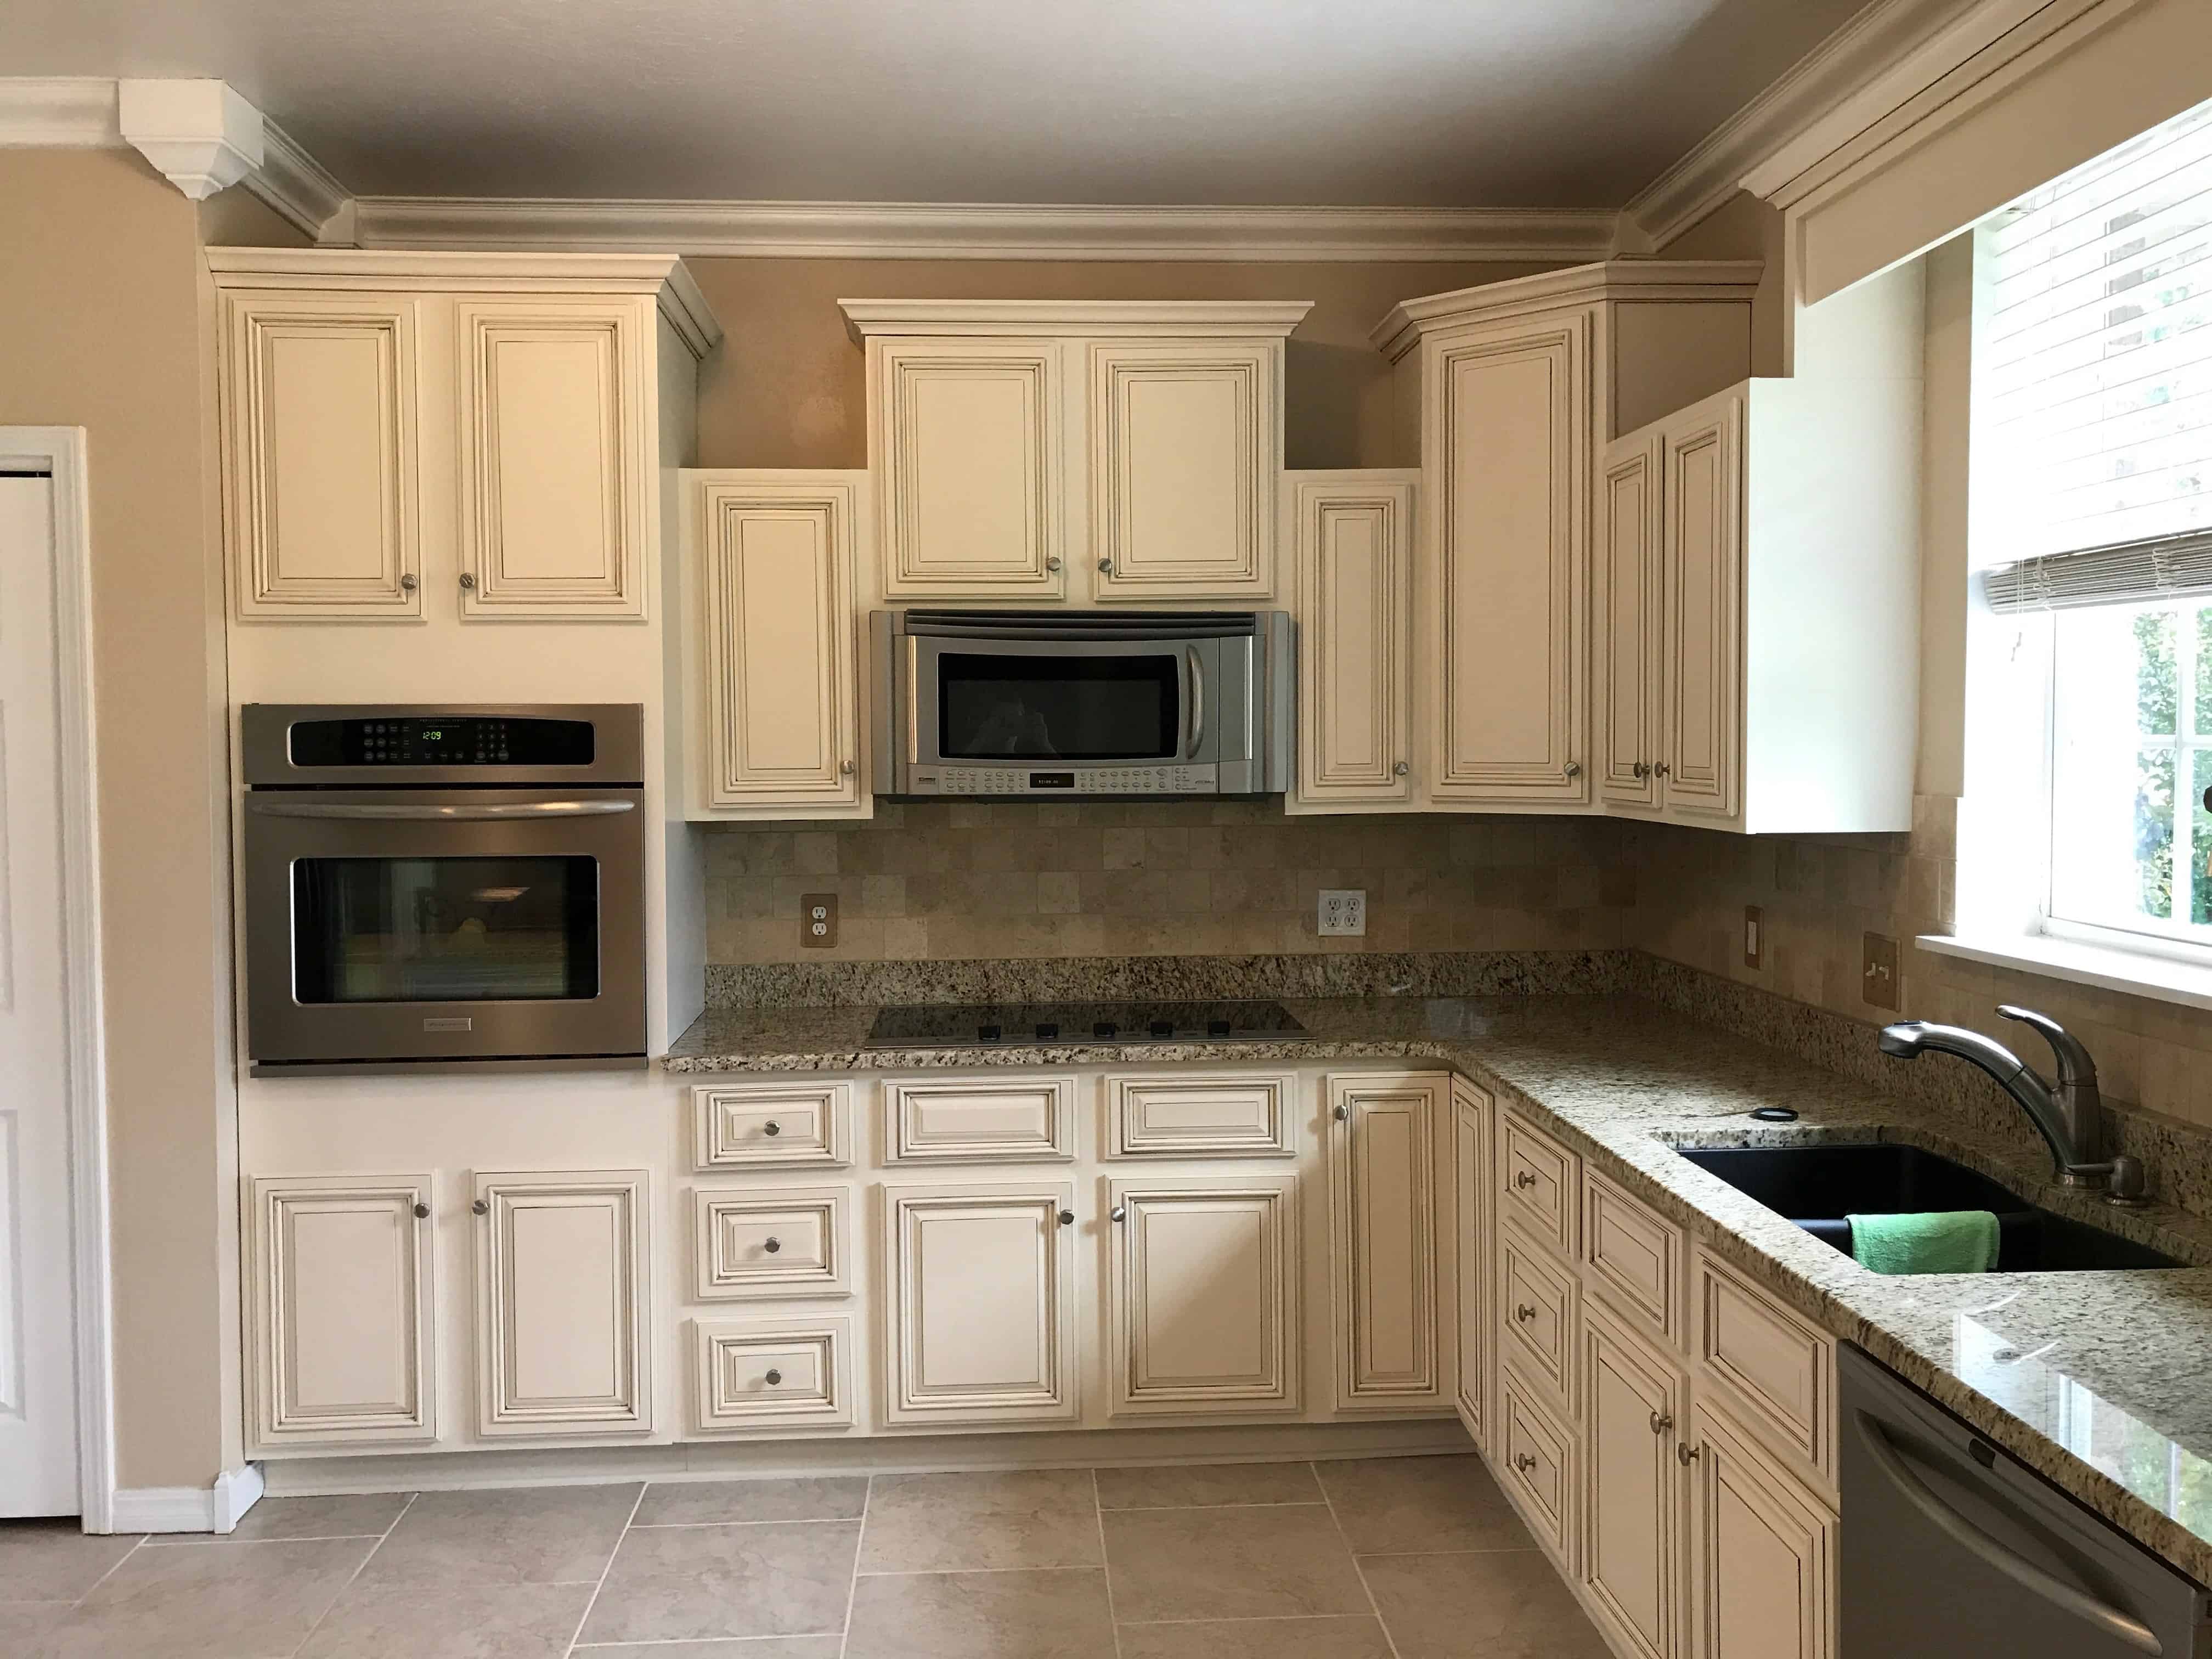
(430,811)
(1197,667)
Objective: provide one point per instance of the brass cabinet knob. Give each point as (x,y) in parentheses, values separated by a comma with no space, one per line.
(468,582)
(1661,1422)
(845,768)
(1400,769)
(1052,564)
(1642,768)
(1574,768)
(407,582)
(1523,1462)
(1686,1454)
(1660,769)
(1524,1178)
(1524,1313)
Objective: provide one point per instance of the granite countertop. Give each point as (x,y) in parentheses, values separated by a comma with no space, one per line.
(2091,1378)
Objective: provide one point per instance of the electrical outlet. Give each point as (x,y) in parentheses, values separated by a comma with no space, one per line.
(1754,937)
(1343,910)
(818,920)
(1878,979)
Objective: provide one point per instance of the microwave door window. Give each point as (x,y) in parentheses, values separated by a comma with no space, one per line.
(1036,708)
(445,930)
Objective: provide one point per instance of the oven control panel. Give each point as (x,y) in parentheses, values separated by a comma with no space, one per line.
(1065,780)
(459,740)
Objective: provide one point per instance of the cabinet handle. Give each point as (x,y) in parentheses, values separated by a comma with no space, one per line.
(1686,1454)
(1574,768)
(468,582)
(1106,565)
(1052,564)
(772,1127)
(775,1376)
(1523,1462)
(1120,1212)
(1344,1114)
(1068,1218)
(1660,769)
(481,1207)
(1642,768)
(422,1211)
(407,582)
(773,1245)
(845,768)
(1524,1178)
(1524,1313)
(1400,769)
(1661,1422)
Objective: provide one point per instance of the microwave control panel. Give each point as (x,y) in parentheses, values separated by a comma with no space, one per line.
(1067,781)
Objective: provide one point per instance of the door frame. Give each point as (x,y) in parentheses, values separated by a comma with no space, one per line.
(60,452)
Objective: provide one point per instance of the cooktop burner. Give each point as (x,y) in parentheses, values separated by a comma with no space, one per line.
(982,1024)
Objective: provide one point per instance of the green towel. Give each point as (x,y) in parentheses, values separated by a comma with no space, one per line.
(1940,1242)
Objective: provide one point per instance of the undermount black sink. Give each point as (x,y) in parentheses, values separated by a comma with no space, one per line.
(1816,1187)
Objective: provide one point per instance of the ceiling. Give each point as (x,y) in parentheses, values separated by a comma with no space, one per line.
(1429,103)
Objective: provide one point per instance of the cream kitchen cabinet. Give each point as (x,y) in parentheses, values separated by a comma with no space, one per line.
(1762,1549)
(1386,1138)
(1631,1556)
(1471,1129)
(340,1310)
(769,646)
(1102,451)
(407,436)
(1352,539)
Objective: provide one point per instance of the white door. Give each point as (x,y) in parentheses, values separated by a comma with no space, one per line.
(38,1373)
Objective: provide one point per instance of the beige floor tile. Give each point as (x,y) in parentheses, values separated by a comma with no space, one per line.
(1504,1604)
(689,1583)
(255,1602)
(368,1516)
(970,1523)
(1345,1637)
(529,1535)
(450,1621)
(21,1621)
(1284,1561)
(678,1504)
(1421,1505)
(772,1647)
(1206,1485)
(1052,1614)
(52,1561)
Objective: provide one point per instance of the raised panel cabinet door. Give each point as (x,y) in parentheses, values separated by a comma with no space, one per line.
(1382,1156)
(1474,1240)
(966,436)
(1762,1551)
(1509,458)
(774,588)
(320,458)
(1353,535)
(1631,617)
(556,477)
(1701,664)
(1202,1293)
(564,1310)
(1186,445)
(1632,1507)
(341,1317)
(979,1325)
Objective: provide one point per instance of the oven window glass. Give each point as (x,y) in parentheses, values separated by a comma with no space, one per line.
(1073,708)
(445,930)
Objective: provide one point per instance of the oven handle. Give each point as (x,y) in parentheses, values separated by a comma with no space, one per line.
(1197,699)
(427,811)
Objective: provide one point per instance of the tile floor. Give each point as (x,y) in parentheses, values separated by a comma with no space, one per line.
(1381,1559)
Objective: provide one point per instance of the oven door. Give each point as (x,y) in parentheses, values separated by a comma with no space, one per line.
(1019,703)
(399,926)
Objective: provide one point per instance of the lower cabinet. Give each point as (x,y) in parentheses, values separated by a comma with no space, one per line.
(1471,1183)
(978,1302)
(1384,1133)
(1202,1295)
(1762,1549)
(756,1376)
(1631,1545)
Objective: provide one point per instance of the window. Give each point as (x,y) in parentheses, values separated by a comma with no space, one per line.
(2093,441)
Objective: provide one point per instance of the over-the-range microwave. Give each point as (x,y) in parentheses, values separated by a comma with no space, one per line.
(1050,704)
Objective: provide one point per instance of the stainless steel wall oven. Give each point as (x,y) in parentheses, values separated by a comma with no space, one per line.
(460,885)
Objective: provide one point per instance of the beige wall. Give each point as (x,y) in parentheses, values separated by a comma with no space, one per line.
(238,218)
(786,388)
(101,270)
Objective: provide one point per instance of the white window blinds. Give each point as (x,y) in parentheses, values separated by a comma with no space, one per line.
(2095,369)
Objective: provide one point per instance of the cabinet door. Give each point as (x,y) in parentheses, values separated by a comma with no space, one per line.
(980,1322)
(1202,1287)
(1630,615)
(966,440)
(565,1307)
(1762,1550)
(1355,637)
(1471,1207)
(319,460)
(1382,1156)
(1632,1508)
(557,474)
(341,1313)
(1506,570)
(1186,445)
(1702,661)
(772,556)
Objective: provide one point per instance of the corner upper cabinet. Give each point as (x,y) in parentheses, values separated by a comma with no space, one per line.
(1039,451)
(771,697)
(1353,533)
(431,437)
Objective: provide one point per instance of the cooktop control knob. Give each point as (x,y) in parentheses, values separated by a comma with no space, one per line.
(1217,1027)
(1047,1029)
(1104,1028)
(986,1034)
(1162,1028)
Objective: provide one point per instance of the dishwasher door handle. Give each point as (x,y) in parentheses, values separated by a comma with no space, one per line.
(2120,1627)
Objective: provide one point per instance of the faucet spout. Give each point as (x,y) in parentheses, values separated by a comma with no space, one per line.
(2068,1116)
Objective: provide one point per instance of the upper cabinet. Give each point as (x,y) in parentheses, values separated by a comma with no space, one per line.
(409,436)
(1097,452)
(1353,533)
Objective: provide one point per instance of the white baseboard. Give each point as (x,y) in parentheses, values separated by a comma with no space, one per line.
(190,1509)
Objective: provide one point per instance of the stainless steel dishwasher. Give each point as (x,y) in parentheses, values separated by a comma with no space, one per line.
(1952,1548)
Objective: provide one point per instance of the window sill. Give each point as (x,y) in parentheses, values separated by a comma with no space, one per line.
(2162,979)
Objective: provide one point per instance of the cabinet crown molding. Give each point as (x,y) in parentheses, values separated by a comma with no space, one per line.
(1607,279)
(199,135)
(1259,320)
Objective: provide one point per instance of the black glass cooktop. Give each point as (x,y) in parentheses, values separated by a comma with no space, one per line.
(981,1025)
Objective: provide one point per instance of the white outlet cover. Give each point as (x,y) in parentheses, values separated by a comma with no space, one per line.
(1343,911)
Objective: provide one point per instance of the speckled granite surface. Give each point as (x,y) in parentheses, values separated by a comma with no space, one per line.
(2094,1378)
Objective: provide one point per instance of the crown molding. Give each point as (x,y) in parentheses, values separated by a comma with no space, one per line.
(933,230)
(57,112)
(200,135)
(299,189)
(1401,330)
(1264,319)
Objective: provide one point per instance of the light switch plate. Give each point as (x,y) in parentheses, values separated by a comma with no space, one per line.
(1754,936)
(818,920)
(1343,911)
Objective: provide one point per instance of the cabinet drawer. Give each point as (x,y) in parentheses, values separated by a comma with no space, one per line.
(1187,1117)
(1634,1256)
(1539,1306)
(789,1240)
(1540,1180)
(745,1125)
(1019,1119)
(1537,1463)
(772,1374)
(1777,1365)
